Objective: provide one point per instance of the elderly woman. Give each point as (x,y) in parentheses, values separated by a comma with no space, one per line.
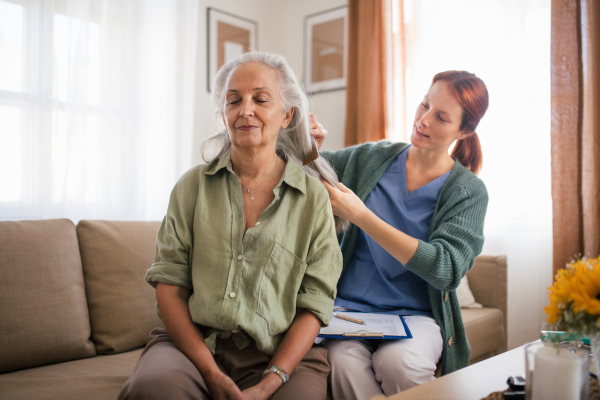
(247,258)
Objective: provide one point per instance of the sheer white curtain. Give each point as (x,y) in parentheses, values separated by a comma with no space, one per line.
(507,44)
(96,106)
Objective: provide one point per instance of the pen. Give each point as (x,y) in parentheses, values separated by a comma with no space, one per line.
(351,319)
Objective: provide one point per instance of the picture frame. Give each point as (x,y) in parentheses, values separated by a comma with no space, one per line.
(229,36)
(325,50)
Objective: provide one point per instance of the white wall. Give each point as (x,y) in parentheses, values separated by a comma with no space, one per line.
(205,124)
(286,36)
(280,30)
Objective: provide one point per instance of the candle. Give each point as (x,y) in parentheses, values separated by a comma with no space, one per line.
(557,374)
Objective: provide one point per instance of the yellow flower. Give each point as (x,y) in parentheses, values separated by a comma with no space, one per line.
(559,295)
(554,313)
(585,292)
(576,289)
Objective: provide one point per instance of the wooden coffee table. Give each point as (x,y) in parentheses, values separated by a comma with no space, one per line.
(474,382)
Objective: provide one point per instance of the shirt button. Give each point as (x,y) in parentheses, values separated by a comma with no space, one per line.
(240,257)
(257,223)
(278,198)
(450,341)
(232,295)
(446,297)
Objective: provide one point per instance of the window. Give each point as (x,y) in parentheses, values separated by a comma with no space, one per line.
(12,100)
(91,99)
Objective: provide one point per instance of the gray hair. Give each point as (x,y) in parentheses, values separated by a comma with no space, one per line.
(294,141)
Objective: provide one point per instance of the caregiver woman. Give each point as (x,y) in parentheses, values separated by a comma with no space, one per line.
(418,216)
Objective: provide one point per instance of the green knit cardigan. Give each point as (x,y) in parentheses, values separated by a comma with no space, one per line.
(455,235)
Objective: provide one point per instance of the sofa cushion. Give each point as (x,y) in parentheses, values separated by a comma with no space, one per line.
(465,296)
(97,378)
(44,310)
(488,282)
(116,256)
(484,328)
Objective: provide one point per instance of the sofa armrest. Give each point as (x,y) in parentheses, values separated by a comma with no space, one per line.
(488,283)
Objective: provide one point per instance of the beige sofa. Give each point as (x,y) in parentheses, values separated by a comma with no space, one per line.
(75,310)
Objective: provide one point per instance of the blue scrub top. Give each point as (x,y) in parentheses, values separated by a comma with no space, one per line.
(375,281)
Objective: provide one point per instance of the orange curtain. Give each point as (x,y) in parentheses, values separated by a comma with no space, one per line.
(575,129)
(366,105)
(397,37)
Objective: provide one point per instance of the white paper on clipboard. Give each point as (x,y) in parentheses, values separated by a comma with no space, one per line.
(389,325)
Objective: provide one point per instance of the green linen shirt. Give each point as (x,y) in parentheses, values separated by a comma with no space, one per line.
(248,286)
(455,235)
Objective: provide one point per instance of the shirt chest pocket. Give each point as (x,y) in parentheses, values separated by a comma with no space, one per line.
(278,289)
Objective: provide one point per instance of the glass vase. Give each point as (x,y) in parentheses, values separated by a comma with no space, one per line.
(595,344)
(556,371)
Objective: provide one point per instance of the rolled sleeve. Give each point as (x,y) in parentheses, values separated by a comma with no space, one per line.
(318,289)
(170,274)
(174,240)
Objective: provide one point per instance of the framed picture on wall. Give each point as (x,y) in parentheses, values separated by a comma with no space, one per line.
(325,50)
(229,36)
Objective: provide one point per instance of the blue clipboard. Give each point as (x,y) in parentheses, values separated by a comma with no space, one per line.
(367,336)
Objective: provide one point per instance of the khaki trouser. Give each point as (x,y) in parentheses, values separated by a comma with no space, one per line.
(164,372)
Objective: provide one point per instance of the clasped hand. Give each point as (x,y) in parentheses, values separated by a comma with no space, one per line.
(222,387)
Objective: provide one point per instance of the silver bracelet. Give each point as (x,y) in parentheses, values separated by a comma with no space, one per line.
(282,374)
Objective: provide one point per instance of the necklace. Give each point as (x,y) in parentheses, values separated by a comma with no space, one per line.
(263,181)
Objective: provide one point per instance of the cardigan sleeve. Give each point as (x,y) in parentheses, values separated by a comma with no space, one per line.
(339,159)
(455,241)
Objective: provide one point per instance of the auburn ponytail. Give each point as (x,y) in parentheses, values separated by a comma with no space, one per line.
(468,152)
(472,94)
